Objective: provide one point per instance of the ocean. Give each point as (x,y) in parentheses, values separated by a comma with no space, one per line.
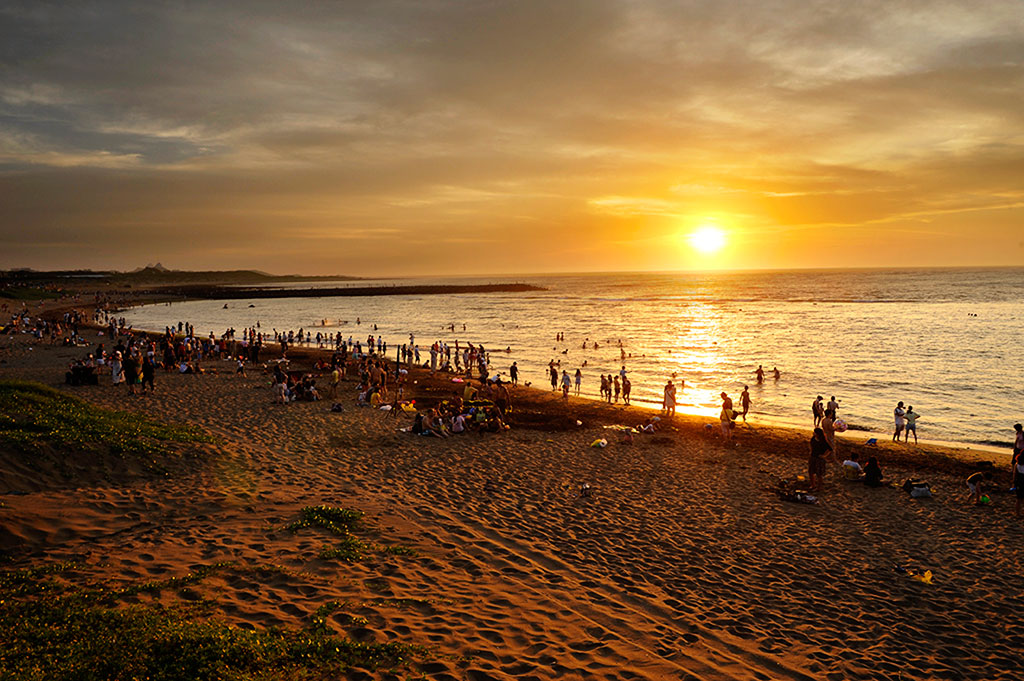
(947,341)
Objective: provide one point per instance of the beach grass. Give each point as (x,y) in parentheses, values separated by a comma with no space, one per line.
(343,522)
(76,632)
(33,415)
(340,521)
(26,293)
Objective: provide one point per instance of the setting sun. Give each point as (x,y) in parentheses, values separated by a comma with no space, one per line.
(707,239)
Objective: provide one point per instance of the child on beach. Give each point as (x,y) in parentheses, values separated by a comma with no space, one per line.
(976,485)
(911,424)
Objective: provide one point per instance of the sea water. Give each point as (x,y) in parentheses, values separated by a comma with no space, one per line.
(947,341)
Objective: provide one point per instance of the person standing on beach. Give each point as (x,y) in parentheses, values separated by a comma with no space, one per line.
(131,372)
(911,418)
(1018,441)
(828,426)
(627,386)
(335,379)
(668,404)
(897,414)
(1018,484)
(745,402)
(554,375)
(833,404)
(116,372)
(818,410)
(566,384)
(513,373)
(148,374)
(726,416)
(616,387)
(579,380)
(816,464)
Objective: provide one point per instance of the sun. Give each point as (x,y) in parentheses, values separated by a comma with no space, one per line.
(707,239)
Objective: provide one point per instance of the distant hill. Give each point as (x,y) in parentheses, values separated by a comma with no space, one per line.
(152,275)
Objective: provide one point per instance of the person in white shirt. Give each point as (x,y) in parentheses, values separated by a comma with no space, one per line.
(897,415)
(851,467)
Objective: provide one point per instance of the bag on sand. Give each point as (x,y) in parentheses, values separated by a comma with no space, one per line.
(917,488)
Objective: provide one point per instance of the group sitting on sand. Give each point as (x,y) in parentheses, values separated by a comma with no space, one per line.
(287,388)
(480,410)
(821,449)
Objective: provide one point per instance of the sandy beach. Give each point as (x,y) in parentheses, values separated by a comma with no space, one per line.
(681,564)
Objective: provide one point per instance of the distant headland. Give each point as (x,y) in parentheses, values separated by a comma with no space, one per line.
(234,293)
(156,280)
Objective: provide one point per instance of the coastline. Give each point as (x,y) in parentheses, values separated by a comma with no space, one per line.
(680,562)
(972,450)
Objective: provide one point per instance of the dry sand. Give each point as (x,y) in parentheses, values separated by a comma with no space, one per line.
(681,565)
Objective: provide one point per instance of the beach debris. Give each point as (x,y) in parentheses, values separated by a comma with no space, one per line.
(624,429)
(336,407)
(585,489)
(917,489)
(923,577)
(579,423)
(600,442)
(872,441)
(791,489)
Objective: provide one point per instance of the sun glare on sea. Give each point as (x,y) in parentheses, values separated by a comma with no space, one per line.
(707,239)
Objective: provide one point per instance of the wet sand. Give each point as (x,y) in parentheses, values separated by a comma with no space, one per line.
(680,565)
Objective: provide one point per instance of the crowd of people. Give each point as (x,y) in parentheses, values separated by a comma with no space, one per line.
(133,359)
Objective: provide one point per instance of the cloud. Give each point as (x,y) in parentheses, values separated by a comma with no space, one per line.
(228,122)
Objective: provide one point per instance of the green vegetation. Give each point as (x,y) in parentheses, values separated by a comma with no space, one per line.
(26,293)
(350,550)
(33,415)
(398,550)
(342,522)
(50,629)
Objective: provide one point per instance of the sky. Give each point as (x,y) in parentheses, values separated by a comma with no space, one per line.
(433,137)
